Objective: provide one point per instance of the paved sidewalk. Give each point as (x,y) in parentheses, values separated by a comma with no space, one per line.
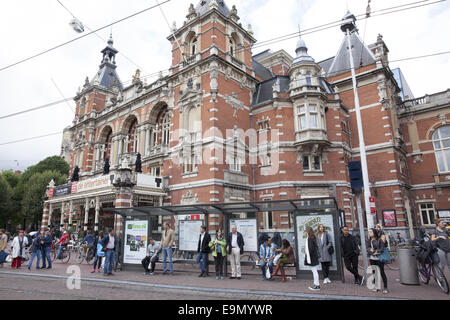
(186,278)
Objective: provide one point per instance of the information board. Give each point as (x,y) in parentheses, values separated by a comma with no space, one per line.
(188,234)
(248,229)
(135,248)
(313,221)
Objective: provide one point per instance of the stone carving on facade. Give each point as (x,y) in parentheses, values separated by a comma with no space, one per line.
(234,14)
(189,198)
(443,119)
(235,103)
(86,84)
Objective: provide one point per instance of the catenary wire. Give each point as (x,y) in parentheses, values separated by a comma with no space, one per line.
(83,36)
(296,35)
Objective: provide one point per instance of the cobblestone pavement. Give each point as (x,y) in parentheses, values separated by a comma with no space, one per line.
(185,284)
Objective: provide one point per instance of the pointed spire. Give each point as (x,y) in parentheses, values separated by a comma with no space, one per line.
(110,40)
(302,52)
(349,23)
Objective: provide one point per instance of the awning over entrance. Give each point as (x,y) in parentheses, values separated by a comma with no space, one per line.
(310,205)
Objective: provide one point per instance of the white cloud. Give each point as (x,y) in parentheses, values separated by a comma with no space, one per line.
(28,27)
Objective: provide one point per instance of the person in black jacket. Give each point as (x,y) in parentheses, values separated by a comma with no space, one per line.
(350,252)
(235,247)
(312,257)
(46,243)
(203,251)
(109,245)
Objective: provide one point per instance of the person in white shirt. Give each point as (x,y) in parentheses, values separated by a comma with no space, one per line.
(235,247)
(152,257)
(109,244)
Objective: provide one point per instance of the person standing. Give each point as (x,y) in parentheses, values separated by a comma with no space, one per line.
(287,257)
(35,251)
(109,244)
(203,251)
(99,253)
(152,258)
(324,243)
(377,248)
(219,253)
(18,245)
(3,244)
(166,244)
(235,247)
(440,236)
(350,252)
(312,256)
(46,243)
(266,256)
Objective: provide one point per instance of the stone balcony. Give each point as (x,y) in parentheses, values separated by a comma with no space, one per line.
(426,103)
(311,136)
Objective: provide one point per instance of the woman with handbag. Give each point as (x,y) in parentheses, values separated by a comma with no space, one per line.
(219,253)
(312,257)
(376,257)
(287,257)
(326,250)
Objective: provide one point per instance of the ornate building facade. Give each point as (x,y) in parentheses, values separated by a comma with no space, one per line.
(229,126)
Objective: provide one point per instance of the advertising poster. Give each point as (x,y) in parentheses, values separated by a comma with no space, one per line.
(313,221)
(249,231)
(389,218)
(188,233)
(135,248)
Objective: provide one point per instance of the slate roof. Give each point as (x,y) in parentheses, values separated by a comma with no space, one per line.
(362,56)
(261,71)
(203,7)
(264,90)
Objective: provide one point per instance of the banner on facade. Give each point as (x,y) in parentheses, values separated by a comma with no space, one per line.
(188,234)
(248,229)
(443,214)
(62,190)
(95,183)
(135,248)
(389,218)
(313,221)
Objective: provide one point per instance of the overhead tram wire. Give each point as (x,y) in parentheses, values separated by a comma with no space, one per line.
(32,138)
(83,36)
(36,108)
(99,36)
(274,41)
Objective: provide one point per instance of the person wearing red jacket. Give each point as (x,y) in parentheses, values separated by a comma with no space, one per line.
(64,241)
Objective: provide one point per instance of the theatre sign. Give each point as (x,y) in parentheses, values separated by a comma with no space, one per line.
(92,184)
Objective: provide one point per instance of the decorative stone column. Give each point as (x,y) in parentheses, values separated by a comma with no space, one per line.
(97,213)
(86,215)
(114,152)
(124,189)
(50,213)
(147,141)
(61,223)
(45,219)
(70,213)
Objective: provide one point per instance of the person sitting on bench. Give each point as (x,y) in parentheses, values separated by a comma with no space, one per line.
(153,251)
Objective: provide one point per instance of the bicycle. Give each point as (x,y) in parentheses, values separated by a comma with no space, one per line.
(252,258)
(85,252)
(428,267)
(64,256)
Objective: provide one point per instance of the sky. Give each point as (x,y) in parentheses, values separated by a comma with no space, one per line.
(28,27)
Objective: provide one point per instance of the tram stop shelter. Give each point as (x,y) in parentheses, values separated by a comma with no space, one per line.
(141,223)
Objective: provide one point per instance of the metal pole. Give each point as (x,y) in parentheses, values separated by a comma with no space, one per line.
(362,146)
(361,231)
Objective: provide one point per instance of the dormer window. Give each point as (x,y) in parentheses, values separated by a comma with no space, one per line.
(308,79)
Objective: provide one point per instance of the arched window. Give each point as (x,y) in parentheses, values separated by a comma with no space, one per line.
(441,142)
(165,129)
(194,46)
(107,152)
(133,139)
(232,48)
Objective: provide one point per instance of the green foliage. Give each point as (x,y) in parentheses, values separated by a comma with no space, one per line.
(6,194)
(34,192)
(55,163)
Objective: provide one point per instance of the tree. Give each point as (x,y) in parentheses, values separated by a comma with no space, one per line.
(6,194)
(55,163)
(34,192)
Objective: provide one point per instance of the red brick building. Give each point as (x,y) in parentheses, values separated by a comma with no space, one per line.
(228,126)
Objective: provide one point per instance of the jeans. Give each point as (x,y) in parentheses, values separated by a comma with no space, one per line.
(152,262)
(351,263)
(202,260)
(46,257)
(325,269)
(60,250)
(262,264)
(218,261)
(97,262)
(381,266)
(315,275)
(109,261)
(34,255)
(167,252)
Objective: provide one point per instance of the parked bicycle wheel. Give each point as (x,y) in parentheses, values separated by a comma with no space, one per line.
(424,277)
(65,256)
(79,256)
(90,254)
(440,278)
